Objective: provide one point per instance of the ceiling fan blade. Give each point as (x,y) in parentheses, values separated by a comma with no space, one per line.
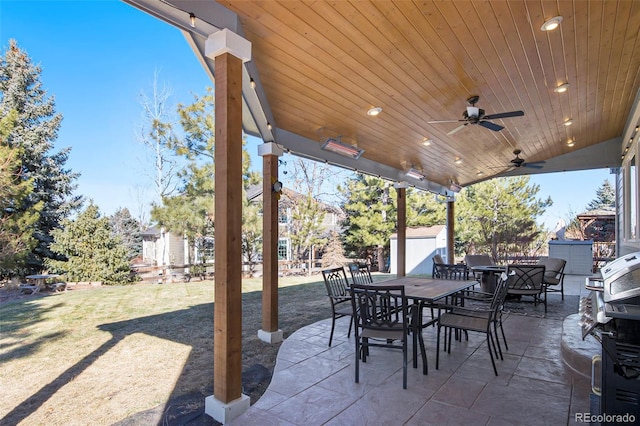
(534,164)
(504,115)
(491,126)
(460,127)
(443,121)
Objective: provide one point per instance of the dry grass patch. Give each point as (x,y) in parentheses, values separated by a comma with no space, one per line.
(133,355)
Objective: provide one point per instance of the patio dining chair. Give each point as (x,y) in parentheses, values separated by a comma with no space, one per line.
(447,271)
(479,306)
(360,273)
(477,320)
(553,273)
(335,280)
(443,271)
(381,315)
(528,280)
(472,260)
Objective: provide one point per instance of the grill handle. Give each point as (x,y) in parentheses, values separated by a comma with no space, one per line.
(596,359)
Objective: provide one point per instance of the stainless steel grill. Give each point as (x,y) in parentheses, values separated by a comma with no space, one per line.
(611,313)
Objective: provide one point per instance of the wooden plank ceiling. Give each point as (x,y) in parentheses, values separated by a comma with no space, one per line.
(320,65)
(324,64)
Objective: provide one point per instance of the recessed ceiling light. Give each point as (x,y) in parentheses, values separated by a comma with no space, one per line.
(479,173)
(568,122)
(458,160)
(426,141)
(562,88)
(551,24)
(374,111)
(571,142)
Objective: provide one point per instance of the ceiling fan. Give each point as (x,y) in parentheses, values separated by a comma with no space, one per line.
(475,115)
(519,162)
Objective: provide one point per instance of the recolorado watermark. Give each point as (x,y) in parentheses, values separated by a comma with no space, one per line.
(604,418)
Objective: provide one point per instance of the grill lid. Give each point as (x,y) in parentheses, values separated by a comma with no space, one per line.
(622,278)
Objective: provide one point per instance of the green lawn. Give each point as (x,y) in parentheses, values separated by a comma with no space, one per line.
(101,355)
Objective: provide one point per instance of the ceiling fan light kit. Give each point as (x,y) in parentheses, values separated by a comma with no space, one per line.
(475,115)
(519,161)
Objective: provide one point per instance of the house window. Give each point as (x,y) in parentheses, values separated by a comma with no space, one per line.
(283,249)
(283,216)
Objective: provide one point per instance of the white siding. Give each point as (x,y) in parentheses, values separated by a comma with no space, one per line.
(419,253)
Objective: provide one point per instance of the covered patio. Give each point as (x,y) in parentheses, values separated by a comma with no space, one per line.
(542,380)
(437,95)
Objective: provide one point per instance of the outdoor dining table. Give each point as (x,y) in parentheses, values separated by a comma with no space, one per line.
(40,280)
(428,291)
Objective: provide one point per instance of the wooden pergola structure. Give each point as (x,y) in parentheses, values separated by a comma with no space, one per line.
(297,74)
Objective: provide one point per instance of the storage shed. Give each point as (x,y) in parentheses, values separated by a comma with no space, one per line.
(422,244)
(578,254)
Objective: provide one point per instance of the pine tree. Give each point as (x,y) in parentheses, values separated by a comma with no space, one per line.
(129,230)
(334,253)
(191,212)
(605,197)
(499,217)
(36,127)
(16,227)
(371,208)
(91,251)
(371,216)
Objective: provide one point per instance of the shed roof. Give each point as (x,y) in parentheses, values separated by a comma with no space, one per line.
(422,232)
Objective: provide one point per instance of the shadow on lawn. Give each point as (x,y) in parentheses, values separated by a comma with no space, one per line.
(299,305)
(15,319)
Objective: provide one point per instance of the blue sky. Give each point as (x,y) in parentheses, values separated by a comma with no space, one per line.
(97,58)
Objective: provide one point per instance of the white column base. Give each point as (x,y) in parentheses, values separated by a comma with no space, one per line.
(270,336)
(225,412)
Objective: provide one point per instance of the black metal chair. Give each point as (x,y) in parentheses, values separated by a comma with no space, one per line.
(337,286)
(381,314)
(478,320)
(360,273)
(528,280)
(480,307)
(447,271)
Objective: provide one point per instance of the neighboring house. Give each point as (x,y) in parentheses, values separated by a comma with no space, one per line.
(162,248)
(331,222)
(422,244)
